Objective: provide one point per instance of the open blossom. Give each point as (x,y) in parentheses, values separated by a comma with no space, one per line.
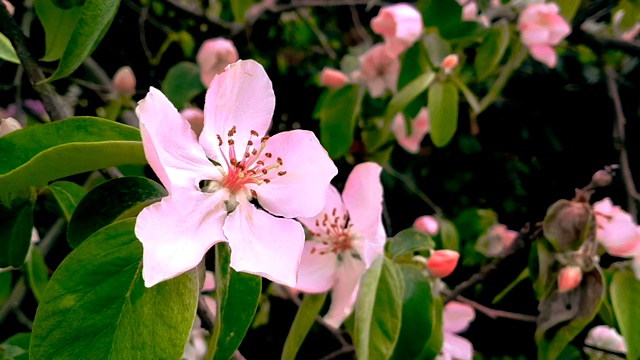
(456,319)
(616,229)
(212,179)
(400,25)
(606,338)
(542,28)
(214,55)
(379,70)
(419,128)
(347,236)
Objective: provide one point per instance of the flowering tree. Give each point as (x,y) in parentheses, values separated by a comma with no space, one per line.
(211,201)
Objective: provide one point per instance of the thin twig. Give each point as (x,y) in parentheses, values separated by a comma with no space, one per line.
(412,187)
(494,314)
(358,26)
(335,354)
(304,15)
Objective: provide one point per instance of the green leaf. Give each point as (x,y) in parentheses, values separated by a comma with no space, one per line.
(340,109)
(239,9)
(19,345)
(624,296)
(16,225)
(437,49)
(414,64)
(433,346)
(448,236)
(238,294)
(306,316)
(63,148)
(378,310)
(474,222)
(5,286)
(182,83)
(491,50)
(417,312)
(568,8)
(408,93)
(58,26)
(68,195)
(407,241)
(116,199)
(38,273)
(443,112)
(7,52)
(94,21)
(446,15)
(97,307)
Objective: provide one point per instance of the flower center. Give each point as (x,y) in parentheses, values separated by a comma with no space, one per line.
(252,166)
(335,233)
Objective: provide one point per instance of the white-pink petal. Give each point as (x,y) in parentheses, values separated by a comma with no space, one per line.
(456,347)
(333,201)
(545,54)
(318,270)
(419,128)
(345,290)
(400,25)
(457,317)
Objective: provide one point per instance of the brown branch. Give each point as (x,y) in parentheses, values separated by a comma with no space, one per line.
(494,314)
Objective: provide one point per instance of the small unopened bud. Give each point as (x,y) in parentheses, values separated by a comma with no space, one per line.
(569,278)
(9,125)
(333,78)
(124,81)
(426,224)
(449,63)
(442,263)
(9,6)
(601,178)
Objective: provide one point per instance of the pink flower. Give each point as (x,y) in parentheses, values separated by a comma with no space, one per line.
(427,224)
(9,6)
(124,81)
(400,25)
(195,117)
(333,78)
(616,229)
(419,128)
(606,338)
(379,70)
(542,28)
(9,125)
(456,319)
(212,179)
(450,62)
(214,56)
(442,263)
(569,278)
(338,254)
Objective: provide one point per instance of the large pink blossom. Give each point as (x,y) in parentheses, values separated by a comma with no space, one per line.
(213,56)
(347,236)
(213,179)
(456,319)
(378,70)
(400,25)
(419,128)
(542,28)
(616,229)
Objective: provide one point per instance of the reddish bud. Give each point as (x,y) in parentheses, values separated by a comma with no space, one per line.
(333,78)
(569,278)
(442,263)
(124,81)
(601,178)
(449,63)
(427,224)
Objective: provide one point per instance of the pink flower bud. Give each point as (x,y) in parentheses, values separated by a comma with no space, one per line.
(9,6)
(213,57)
(9,125)
(442,263)
(569,278)
(426,224)
(195,117)
(333,78)
(124,81)
(449,63)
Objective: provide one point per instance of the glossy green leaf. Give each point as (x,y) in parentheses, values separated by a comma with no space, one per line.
(58,26)
(95,18)
(447,236)
(68,195)
(16,224)
(116,199)
(7,52)
(338,117)
(446,16)
(63,148)
(18,346)
(443,112)
(182,83)
(38,273)
(407,241)
(306,316)
(491,50)
(5,286)
(436,340)
(99,289)
(417,312)
(624,297)
(414,63)
(568,8)
(238,294)
(378,310)
(408,93)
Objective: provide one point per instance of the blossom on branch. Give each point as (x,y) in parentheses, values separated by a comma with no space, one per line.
(419,128)
(542,28)
(456,319)
(400,25)
(378,70)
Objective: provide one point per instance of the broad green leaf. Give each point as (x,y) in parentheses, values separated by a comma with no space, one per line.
(378,310)
(625,289)
(16,224)
(113,200)
(68,195)
(19,344)
(446,15)
(97,307)
(338,119)
(408,93)
(7,52)
(5,286)
(443,112)
(38,273)
(414,64)
(491,50)
(417,312)
(238,294)
(448,236)
(306,316)
(568,8)
(436,340)
(182,83)
(63,148)
(407,241)
(94,21)
(58,25)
